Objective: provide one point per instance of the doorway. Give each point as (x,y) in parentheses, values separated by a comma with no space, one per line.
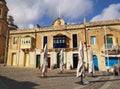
(95,61)
(58,60)
(75,60)
(14,59)
(48,62)
(26,60)
(37,60)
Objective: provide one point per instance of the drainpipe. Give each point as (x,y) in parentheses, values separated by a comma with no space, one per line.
(6,47)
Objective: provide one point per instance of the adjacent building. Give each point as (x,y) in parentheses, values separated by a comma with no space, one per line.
(3,30)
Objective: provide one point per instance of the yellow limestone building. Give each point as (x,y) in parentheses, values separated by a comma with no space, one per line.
(25,48)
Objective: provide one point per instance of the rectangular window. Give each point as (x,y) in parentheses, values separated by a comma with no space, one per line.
(44,40)
(109,42)
(14,40)
(74,37)
(93,40)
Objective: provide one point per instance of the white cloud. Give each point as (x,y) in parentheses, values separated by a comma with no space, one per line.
(31,26)
(26,12)
(110,13)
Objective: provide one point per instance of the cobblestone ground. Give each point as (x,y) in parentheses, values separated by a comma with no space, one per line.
(30,78)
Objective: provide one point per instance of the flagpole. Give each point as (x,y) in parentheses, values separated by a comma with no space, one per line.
(59,8)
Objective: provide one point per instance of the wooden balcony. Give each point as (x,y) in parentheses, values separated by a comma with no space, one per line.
(26,43)
(113,52)
(58,49)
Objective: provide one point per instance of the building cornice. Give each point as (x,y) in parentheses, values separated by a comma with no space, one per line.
(69,27)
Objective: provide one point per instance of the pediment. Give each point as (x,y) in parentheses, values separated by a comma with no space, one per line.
(59,23)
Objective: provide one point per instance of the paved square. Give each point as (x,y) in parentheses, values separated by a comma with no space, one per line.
(30,78)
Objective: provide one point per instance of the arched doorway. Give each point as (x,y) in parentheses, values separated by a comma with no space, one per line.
(75,60)
(95,60)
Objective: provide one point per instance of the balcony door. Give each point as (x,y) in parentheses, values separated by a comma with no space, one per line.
(109,40)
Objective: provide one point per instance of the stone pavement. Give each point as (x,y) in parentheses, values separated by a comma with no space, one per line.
(30,78)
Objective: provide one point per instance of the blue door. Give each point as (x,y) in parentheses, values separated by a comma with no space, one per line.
(111,61)
(75,60)
(95,60)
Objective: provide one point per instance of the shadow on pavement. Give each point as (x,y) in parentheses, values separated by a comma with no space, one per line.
(7,83)
(56,76)
(107,80)
(68,73)
(78,82)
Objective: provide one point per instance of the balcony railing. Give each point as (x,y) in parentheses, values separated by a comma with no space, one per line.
(108,46)
(111,47)
(26,43)
(58,49)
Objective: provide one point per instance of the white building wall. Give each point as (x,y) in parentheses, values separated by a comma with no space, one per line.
(42,55)
(21,58)
(53,58)
(37,51)
(32,58)
(65,58)
(69,59)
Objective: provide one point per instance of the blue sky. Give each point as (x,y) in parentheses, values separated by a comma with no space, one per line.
(27,13)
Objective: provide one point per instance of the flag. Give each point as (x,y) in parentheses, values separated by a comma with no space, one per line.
(45,63)
(91,64)
(61,60)
(80,66)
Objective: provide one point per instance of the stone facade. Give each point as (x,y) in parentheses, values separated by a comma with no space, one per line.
(3,30)
(32,54)
(24,47)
